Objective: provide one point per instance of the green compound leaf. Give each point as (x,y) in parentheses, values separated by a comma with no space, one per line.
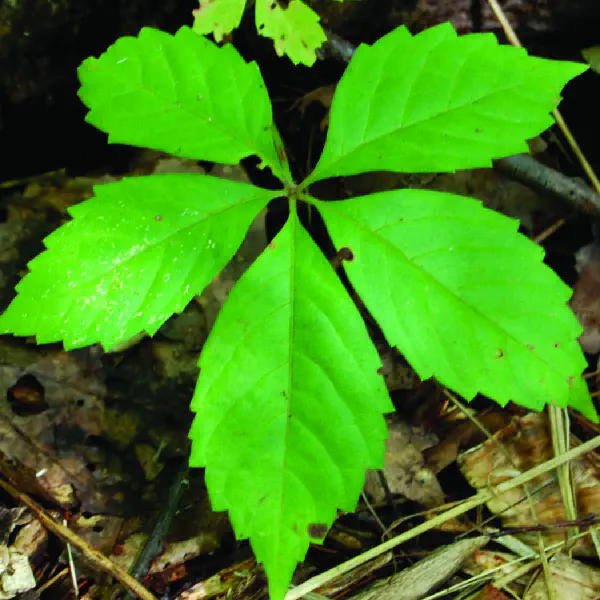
(295,29)
(183,95)
(438,102)
(288,404)
(218,17)
(463,296)
(132,256)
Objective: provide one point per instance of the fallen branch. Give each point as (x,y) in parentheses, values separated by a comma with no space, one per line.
(527,170)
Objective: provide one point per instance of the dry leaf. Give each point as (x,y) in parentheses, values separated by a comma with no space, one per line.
(585,301)
(16,576)
(405,469)
(528,443)
(572,580)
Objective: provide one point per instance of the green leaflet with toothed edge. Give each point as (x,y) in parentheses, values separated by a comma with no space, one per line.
(289,386)
(132,256)
(184,95)
(438,102)
(472,304)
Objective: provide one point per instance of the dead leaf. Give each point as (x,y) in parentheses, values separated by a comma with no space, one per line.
(463,434)
(32,541)
(396,373)
(571,580)
(528,443)
(501,564)
(46,453)
(489,592)
(585,301)
(405,469)
(16,576)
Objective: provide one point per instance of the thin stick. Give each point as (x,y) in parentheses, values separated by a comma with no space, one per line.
(538,239)
(93,556)
(60,575)
(477,500)
(162,526)
(72,570)
(514,40)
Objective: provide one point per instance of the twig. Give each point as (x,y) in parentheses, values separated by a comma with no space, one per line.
(93,556)
(544,235)
(42,588)
(528,170)
(477,500)
(162,526)
(384,532)
(72,570)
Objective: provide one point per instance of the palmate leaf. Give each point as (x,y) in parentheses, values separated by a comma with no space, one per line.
(438,102)
(288,404)
(463,296)
(294,29)
(184,95)
(132,256)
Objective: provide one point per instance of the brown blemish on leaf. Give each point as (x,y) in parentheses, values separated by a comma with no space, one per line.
(500,353)
(158,218)
(570,380)
(556,345)
(531,346)
(281,153)
(272,245)
(317,530)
